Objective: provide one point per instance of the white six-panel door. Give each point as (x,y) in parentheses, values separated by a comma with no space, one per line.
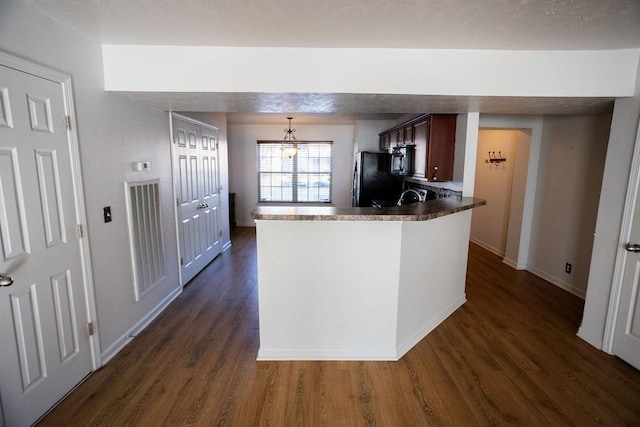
(45,348)
(626,334)
(197,195)
(210,193)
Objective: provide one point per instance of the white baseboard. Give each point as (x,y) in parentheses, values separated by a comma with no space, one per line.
(487,247)
(590,338)
(513,264)
(408,344)
(250,224)
(559,283)
(280,355)
(129,335)
(387,354)
(510,263)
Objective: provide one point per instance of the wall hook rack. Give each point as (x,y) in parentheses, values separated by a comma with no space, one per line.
(496,158)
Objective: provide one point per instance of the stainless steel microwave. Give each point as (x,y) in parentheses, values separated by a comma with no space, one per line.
(402,160)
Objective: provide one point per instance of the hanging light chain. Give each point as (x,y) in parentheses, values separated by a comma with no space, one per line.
(289,136)
(289,142)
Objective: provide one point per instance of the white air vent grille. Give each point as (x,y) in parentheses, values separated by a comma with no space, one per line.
(145,231)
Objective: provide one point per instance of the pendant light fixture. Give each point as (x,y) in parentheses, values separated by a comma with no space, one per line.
(289,142)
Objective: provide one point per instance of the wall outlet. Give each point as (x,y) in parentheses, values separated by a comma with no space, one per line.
(567,268)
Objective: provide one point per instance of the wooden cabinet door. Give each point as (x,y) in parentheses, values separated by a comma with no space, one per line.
(420,153)
(384,142)
(408,134)
(441,147)
(393,140)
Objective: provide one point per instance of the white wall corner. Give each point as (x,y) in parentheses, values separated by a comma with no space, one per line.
(590,338)
(513,264)
(412,341)
(132,332)
(470,153)
(487,246)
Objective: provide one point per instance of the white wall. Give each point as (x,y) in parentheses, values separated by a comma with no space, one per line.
(514,255)
(242,161)
(113,132)
(624,126)
(568,191)
(466,150)
(523,201)
(367,134)
(561,205)
(372,71)
(493,182)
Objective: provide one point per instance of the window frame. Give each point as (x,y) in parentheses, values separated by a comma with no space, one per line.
(294,188)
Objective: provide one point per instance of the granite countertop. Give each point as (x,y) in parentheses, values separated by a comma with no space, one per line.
(425,211)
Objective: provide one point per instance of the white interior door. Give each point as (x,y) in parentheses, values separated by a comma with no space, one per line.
(197,193)
(210,187)
(45,347)
(626,337)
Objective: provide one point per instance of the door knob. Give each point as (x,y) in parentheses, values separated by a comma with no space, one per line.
(632,247)
(5,280)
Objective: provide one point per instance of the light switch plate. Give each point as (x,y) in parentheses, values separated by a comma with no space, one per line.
(141,166)
(106,211)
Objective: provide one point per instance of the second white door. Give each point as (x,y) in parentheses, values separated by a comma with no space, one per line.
(197,194)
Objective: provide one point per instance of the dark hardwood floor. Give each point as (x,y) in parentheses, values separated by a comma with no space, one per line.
(510,355)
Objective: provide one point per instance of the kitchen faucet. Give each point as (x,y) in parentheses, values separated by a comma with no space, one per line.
(410,190)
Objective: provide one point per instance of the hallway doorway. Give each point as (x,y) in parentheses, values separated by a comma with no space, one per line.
(501,178)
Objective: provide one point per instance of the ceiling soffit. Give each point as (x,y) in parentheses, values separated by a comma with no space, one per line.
(424,24)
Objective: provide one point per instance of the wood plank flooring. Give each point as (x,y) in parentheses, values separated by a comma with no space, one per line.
(508,356)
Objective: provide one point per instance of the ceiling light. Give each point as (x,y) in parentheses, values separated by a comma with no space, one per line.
(289,142)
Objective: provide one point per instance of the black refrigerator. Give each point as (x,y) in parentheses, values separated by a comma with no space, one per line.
(372,180)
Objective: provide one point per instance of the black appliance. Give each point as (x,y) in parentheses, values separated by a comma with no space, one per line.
(402,160)
(372,179)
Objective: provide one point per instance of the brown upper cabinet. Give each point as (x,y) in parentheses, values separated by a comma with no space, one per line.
(407,132)
(434,137)
(385,142)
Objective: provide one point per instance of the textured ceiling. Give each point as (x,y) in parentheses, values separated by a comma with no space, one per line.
(312,108)
(446,24)
(467,24)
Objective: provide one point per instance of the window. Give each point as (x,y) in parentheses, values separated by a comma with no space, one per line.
(304,178)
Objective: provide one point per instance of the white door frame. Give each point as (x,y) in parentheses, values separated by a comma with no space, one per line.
(533,124)
(72,135)
(173,114)
(176,214)
(633,189)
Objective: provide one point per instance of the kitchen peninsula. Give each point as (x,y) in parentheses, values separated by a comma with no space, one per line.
(358,283)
